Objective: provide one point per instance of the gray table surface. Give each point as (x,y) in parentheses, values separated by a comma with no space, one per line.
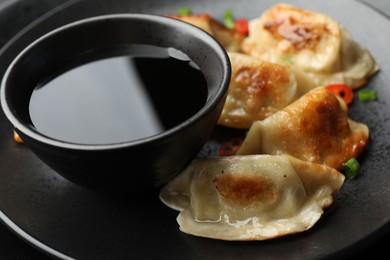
(11,246)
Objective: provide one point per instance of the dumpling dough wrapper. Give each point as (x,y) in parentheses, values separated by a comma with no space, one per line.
(318,48)
(252,197)
(257,89)
(314,128)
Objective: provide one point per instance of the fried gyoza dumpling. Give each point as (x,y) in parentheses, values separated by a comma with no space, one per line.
(231,40)
(252,197)
(257,89)
(312,43)
(314,128)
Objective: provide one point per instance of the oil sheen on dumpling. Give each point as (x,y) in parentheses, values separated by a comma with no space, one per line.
(252,197)
(314,128)
(231,40)
(257,89)
(314,44)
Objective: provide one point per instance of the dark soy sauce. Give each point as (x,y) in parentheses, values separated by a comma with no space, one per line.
(119,95)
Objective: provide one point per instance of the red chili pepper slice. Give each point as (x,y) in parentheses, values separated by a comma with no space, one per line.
(231,146)
(242,26)
(341,90)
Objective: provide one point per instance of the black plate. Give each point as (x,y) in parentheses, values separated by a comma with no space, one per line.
(68,221)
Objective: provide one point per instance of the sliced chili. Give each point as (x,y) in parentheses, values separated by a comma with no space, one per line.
(242,26)
(231,146)
(343,91)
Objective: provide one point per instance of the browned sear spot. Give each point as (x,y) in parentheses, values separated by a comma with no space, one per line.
(245,190)
(297,26)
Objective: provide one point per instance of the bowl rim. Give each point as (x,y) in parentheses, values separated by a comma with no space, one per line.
(214,101)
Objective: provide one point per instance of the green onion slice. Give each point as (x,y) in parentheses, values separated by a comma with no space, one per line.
(288,59)
(367,95)
(228,18)
(351,168)
(184,10)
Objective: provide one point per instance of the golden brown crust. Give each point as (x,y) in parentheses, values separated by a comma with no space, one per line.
(299,27)
(257,89)
(324,129)
(315,128)
(17,138)
(314,44)
(245,189)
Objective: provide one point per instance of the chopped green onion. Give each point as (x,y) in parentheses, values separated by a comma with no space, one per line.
(367,95)
(184,10)
(351,168)
(229,19)
(288,59)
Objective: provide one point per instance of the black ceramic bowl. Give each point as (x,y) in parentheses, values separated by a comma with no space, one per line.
(128,165)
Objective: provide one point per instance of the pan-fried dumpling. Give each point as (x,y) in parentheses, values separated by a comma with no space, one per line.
(314,128)
(251,197)
(231,40)
(313,44)
(257,89)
